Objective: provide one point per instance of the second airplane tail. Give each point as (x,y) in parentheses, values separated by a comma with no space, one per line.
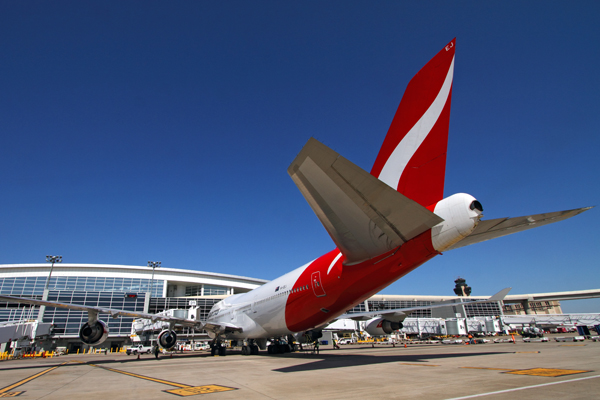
(412,159)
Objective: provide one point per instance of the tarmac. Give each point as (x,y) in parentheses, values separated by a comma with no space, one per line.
(493,371)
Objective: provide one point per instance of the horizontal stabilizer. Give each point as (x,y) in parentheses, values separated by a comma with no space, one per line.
(494,228)
(364,216)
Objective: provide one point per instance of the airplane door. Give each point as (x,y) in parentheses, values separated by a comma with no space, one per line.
(317,285)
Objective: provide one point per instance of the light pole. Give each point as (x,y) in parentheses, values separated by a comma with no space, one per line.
(153,265)
(50,259)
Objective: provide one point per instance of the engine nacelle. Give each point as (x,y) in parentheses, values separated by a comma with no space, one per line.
(167,339)
(308,336)
(461,213)
(93,334)
(380,327)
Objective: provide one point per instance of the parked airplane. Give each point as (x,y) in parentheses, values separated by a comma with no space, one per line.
(384,224)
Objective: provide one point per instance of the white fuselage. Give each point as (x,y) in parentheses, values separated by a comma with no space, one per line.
(261,312)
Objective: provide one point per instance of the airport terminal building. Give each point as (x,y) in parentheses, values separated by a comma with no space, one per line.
(142,289)
(132,288)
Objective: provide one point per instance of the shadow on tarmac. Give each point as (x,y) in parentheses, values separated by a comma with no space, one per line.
(329,361)
(325,360)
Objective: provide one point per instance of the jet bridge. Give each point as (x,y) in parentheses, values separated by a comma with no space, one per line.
(145,330)
(552,319)
(23,330)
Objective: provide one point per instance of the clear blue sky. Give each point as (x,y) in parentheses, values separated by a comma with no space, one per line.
(136,131)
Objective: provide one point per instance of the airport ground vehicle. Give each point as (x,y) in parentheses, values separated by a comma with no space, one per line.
(201,346)
(532,332)
(139,349)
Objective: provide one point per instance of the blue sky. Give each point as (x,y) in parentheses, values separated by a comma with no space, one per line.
(163,130)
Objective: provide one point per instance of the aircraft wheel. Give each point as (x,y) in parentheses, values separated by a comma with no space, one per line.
(254,350)
(245,351)
(222,351)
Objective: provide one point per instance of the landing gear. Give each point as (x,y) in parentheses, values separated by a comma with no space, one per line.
(217,348)
(250,349)
(279,347)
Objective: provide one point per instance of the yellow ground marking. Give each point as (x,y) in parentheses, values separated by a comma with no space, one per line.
(551,372)
(184,390)
(191,391)
(180,385)
(520,352)
(10,394)
(565,345)
(4,392)
(421,365)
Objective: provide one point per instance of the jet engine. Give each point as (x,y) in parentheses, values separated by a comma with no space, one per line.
(380,327)
(308,336)
(167,339)
(93,334)
(461,213)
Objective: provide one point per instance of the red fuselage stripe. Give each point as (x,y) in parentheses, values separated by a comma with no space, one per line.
(318,296)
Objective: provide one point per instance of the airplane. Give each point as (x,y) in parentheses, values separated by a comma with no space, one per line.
(384,224)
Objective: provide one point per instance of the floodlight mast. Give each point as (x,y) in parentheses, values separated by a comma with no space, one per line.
(53,260)
(153,265)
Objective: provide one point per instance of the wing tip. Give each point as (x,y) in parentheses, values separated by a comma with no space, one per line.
(500,295)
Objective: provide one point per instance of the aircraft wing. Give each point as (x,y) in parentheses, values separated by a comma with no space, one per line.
(494,228)
(102,310)
(222,327)
(398,314)
(364,216)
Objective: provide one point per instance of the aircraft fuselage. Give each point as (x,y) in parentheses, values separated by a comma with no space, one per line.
(318,292)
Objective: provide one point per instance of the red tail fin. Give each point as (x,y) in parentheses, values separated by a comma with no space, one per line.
(413,156)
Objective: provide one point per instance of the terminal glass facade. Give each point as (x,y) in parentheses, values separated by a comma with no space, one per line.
(390,304)
(206,290)
(483,309)
(34,285)
(106,292)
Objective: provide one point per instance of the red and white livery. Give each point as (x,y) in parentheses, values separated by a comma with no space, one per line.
(384,224)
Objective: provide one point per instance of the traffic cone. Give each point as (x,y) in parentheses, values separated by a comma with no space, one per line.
(138,356)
